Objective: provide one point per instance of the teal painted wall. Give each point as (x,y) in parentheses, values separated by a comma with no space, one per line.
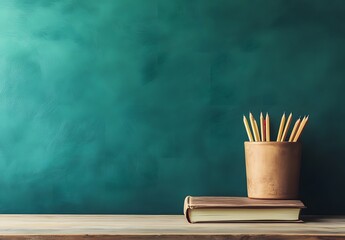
(128,106)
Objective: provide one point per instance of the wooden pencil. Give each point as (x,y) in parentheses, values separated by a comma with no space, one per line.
(251,119)
(286,129)
(300,129)
(246,125)
(281,127)
(294,129)
(257,130)
(268,138)
(262,127)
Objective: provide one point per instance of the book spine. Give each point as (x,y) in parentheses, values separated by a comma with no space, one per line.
(186,208)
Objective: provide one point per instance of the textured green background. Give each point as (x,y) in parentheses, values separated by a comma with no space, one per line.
(126,106)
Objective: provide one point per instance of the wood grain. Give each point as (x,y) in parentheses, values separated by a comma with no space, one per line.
(160,227)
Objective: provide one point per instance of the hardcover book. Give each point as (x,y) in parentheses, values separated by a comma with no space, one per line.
(241,209)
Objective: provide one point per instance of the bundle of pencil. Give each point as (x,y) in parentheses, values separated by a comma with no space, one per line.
(264,134)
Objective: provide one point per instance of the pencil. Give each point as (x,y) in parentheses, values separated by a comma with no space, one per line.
(262,128)
(300,129)
(282,123)
(286,129)
(251,118)
(268,138)
(257,130)
(294,130)
(246,125)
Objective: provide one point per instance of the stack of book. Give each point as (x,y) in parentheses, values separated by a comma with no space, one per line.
(241,209)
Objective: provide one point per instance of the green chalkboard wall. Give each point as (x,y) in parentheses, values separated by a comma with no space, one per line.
(128,106)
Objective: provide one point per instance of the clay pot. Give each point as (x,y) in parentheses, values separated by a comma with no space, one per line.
(272,169)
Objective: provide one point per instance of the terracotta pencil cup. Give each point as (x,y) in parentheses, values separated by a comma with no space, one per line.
(272,169)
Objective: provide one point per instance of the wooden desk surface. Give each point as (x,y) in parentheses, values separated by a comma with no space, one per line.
(160,227)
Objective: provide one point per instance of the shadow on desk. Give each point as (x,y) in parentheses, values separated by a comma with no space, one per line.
(322,178)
